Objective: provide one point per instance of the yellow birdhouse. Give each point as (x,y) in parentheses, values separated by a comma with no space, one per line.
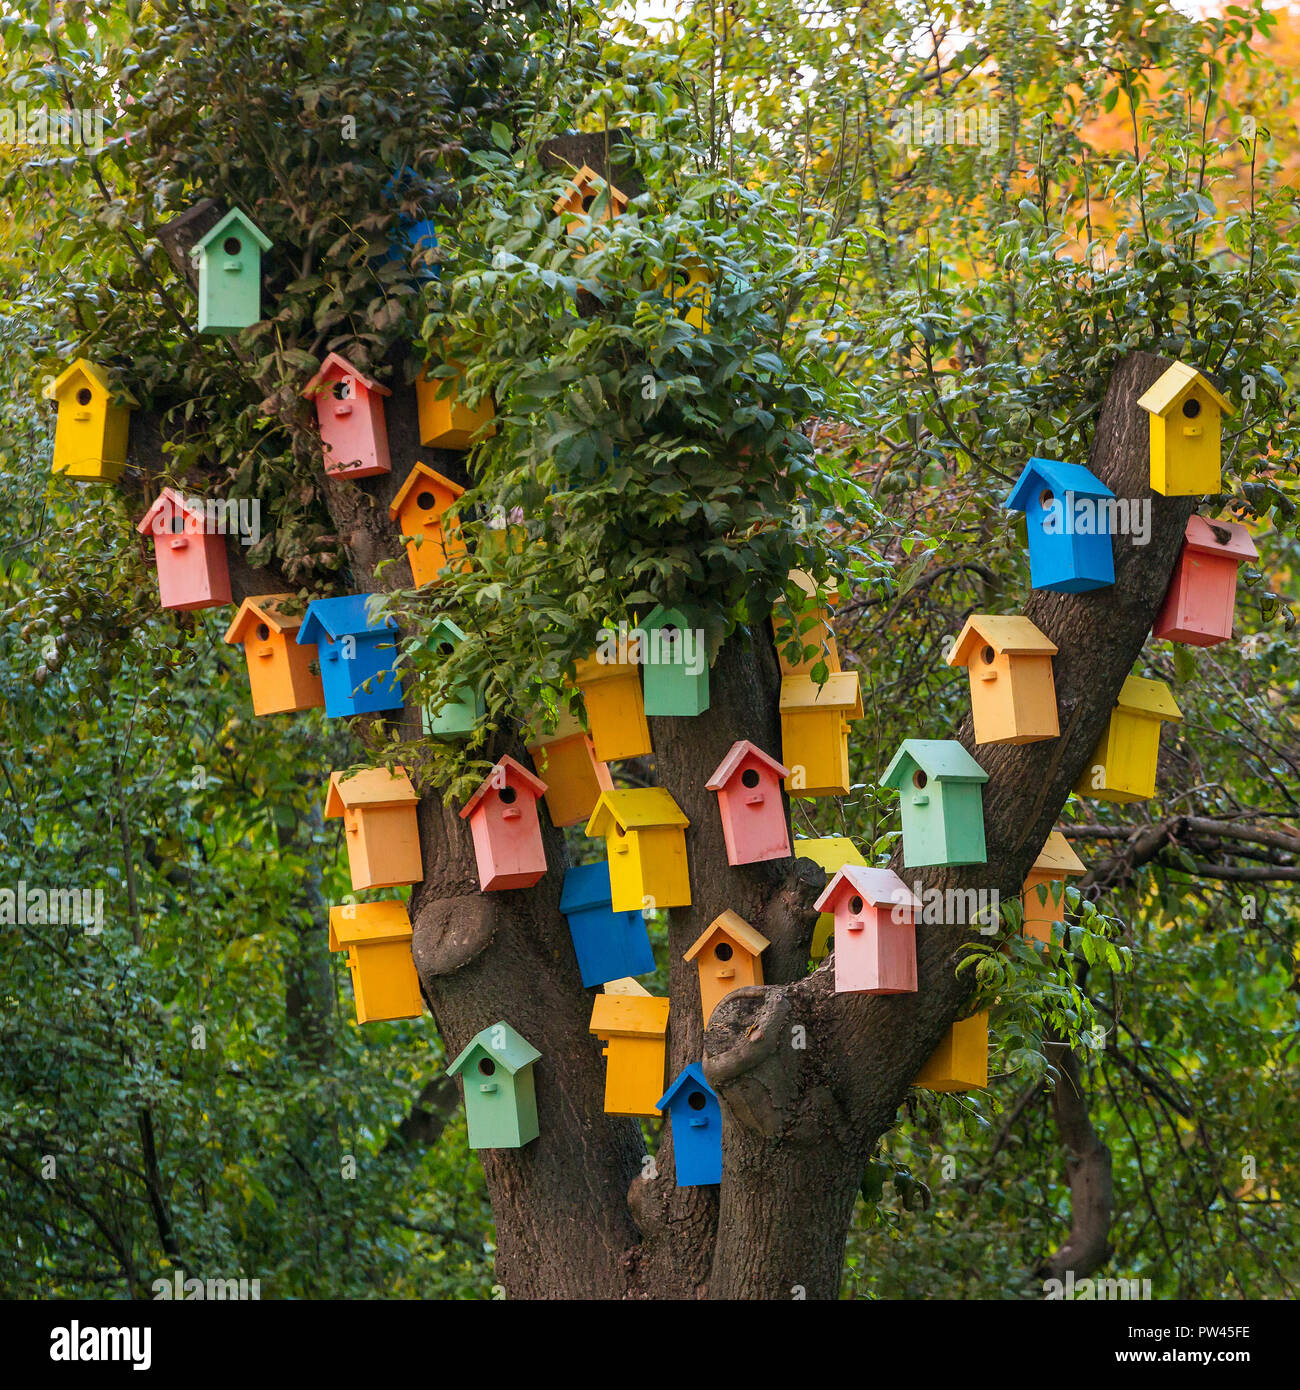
(633,1028)
(579,198)
(1012,694)
(90,430)
(688,288)
(383,837)
(728,955)
(433,539)
(446,422)
(1042,901)
(831,854)
(611,692)
(815,732)
(377,938)
(961,1061)
(645,837)
(566,761)
(812,627)
(1123,767)
(1186,423)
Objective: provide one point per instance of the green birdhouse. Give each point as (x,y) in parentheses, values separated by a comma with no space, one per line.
(941,790)
(466,707)
(229,259)
(496,1071)
(676,677)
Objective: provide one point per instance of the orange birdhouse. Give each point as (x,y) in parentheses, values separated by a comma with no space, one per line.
(579,200)
(1042,902)
(419,508)
(611,692)
(727,955)
(383,839)
(446,422)
(350,412)
(1012,694)
(812,627)
(279,670)
(91,427)
(566,761)
(377,938)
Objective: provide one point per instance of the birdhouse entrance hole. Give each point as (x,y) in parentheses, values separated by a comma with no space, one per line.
(986,656)
(919,779)
(1191,407)
(855,904)
(263,632)
(177,524)
(487,1066)
(231,246)
(342,389)
(83,396)
(723,951)
(508,795)
(695,1100)
(426,501)
(749,777)
(1045,498)
(445,649)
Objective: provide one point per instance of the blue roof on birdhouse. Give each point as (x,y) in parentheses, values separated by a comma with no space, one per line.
(692,1073)
(345,616)
(943,759)
(1060,477)
(585,886)
(515,1052)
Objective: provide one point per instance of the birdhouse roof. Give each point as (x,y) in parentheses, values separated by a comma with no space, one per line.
(830,853)
(1140,696)
(590,669)
(1203,535)
(943,759)
(808,584)
(1014,635)
(232,218)
(344,616)
(436,481)
(843,690)
(879,887)
(634,808)
(376,786)
(93,375)
(587,175)
(168,497)
(629,1016)
(566,725)
(516,1053)
(1060,477)
(740,752)
(264,608)
(730,924)
(692,1074)
(661,616)
(1057,858)
(586,885)
(627,985)
(443,627)
(333,366)
(368,924)
(1170,389)
(514,773)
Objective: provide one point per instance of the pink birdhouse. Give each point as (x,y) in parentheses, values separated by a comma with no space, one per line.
(1202,594)
(191,560)
(502,815)
(875,931)
(350,411)
(748,784)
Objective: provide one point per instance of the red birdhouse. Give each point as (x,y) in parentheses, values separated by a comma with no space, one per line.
(748,784)
(875,931)
(350,411)
(1198,609)
(191,561)
(502,815)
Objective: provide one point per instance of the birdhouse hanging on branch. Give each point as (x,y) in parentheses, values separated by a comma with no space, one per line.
(1012,694)
(280,674)
(191,560)
(496,1073)
(875,930)
(459,715)
(1199,607)
(377,938)
(1186,413)
(645,838)
(941,795)
(691,1105)
(748,784)
(90,430)
(229,261)
(350,412)
(1067,526)
(433,539)
(1123,765)
(815,732)
(502,817)
(356,654)
(676,667)
(379,817)
(728,955)
(611,694)
(961,1061)
(1042,901)
(446,421)
(609,945)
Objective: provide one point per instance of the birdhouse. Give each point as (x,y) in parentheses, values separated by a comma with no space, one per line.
(1198,609)
(676,665)
(383,839)
(815,732)
(691,1105)
(411,237)
(689,288)
(502,816)
(566,761)
(875,931)
(830,854)
(748,784)
(229,259)
(191,560)
(377,938)
(579,200)
(812,628)
(496,1072)
(280,673)
(355,655)
(1012,694)
(433,539)
(91,426)
(611,692)
(941,791)
(446,422)
(627,985)
(1186,419)
(350,412)
(1042,901)
(1123,767)
(645,835)
(460,714)
(609,945)
(727,956)
(961,1061)
(1067,524)
(633,1028)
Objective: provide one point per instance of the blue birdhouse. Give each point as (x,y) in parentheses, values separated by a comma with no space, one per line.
(410,235)
(1068,520)
(609,945)
(697,1128)
(356,655)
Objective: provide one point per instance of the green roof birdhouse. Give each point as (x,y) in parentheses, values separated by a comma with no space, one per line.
(676,676)
(496,1071)
(229,259)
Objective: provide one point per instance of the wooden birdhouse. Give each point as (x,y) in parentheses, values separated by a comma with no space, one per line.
(611,692)
(496,1073)
(696,1117)
(689,288)
(633,1028)
(831,854)
(579,200)
(191,560)
(377,938)
(1186,420)
(676,665)
(566,761)
(383,839)
(961,1061)
(350,412)
(812,628)
(1202,597)
(815,732)
(1067,526)
(727,955)
(1123,766)
(412,238)
(609,945)
(1012,694)
(446,421)
(875,931)
(748,784)
(941,792)
(229,259)
(433,539)
(502,815)
(355,655)
(280,673)
(460,714)
(645,836)
(1042,901)
(90,429)
(627,985)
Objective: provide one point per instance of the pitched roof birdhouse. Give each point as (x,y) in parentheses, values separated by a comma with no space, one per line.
(831,854)
(191,560)
(727,955)
(1186,420)
(229,259)
(433,540)
(411,237)
(90,429)
(811,628)
(377,938)
(875,931)
(446,421)
(1042,901)
(280,673)
(676,665)
(350,412)
(961,1061)
(355,655)
(689,288)
(645,837)
(383,839)
(815,732)
(502,815)
(460,714)
(1012,694)
(611,692)
(692,1107)
(579,200)
(748,784)
(1067,525)
(633,1029)
(496,1072)
(1202,597)
(1123,766)
(609,945)
(566,761)
(941,791)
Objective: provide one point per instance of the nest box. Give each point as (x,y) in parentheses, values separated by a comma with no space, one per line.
(383,839)
(90,428)
(811,627)
(941,792)
(566,761)
(961,1061)
(1186,413)
(229,259)
(1012,694)
(676,665)
(446,422)
(1123,767)
(502,817)
(1042,901)
(875,931)
(377,938)
(496,1073)
(355,655)
(611,693)
(460,714)
(688,287)
(609,945)
(815,732)
(280,673)
(350,413)
(411,238)
(191,560)
(1202,597)
(727,955)
(433,539)
(633,1028)
(645,836)
(830,854)
(1067,525)
(588,195)
(691,1105)
(748,784)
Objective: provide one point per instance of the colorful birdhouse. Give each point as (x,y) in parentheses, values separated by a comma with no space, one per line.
(961,1061)
(1067,523)
(644,832)
(350,412)
(459,715)
(727,955)
(412,237)
(280,673)
(355,655)
(609,945)
(191,560)
(611,692)
(815,732)
(689,288)
(383,839)
(831,854)
(377,938)
(1186,420)
(229,259)
(676,665)
(633,1028)
(1202,597)
(627,985)
(1042,901)
(691,1105)
(941,791)
(1012,694)
(875,931)
(502,816)
(446,422)
(90,429)
(496,1073)
(1123,767)
(812,628)
(433,539)
(566,761)
(748,784)
(579,200)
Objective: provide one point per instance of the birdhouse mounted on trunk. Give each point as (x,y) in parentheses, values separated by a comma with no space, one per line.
(496,1073)
(941,793)
(811,628)
(609,945)
(580,199)
(280,673)
(748,784)
(433,539)
(875,931)
(502,816)
(645,838)
(688,287)
(727,955)
(446,422)
(355,655)
(1067,525)
(1186,413)
(633,1028)
(377,938)
(229,259)
(1012,694)
(1123,766)
(350,412)
(696,1117)
(815,732)
(961,1061)
(90,429)
(830,854)
(676,665)
(611,693)
(460,715)
(1042,901)
(191,561)
(412,237)
(383,839)
(566,761)
(1202,597)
